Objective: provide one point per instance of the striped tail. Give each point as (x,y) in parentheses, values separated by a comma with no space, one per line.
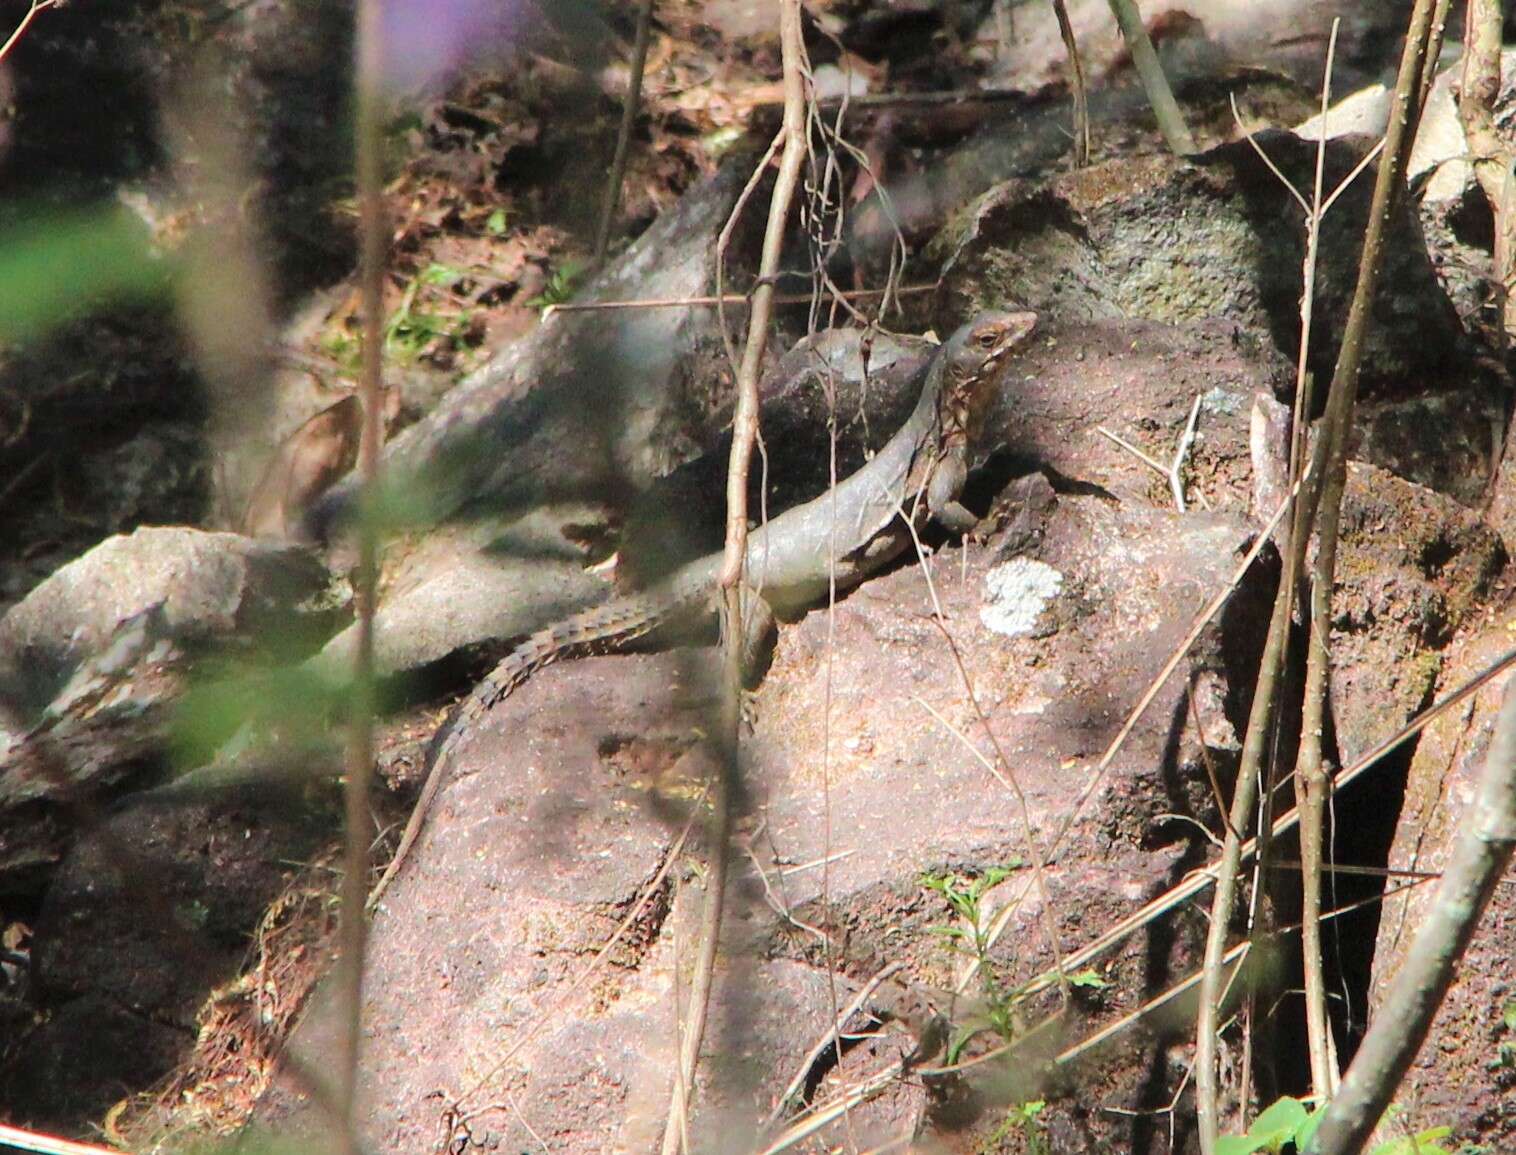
(594,631)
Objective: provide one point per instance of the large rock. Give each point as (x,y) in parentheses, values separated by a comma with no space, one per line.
(562,803)
(1463,1076)
(95,658)
(210,585)
(1216,236)
(588,402)
(1412,568)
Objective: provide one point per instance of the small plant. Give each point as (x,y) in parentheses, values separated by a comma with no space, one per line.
(972,939)
(560,286)
(1022,1119)
(497,224)
(410,330)
(1287,1125)
(1505,1056)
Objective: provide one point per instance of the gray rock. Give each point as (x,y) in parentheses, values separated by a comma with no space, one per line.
(210,585)
(1412,568)
(562,803)
(588,401)
(1463,1078)
(96,657)
(1217,236)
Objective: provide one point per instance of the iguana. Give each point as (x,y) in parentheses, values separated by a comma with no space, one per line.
(920,471)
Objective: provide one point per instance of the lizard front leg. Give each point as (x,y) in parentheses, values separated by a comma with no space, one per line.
(759,629)
(942,493)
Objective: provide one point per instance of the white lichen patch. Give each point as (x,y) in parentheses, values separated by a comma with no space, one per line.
(1016,593)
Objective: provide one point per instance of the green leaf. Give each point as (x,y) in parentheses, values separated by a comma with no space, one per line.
(1088,977)
(1240,1144)
(1422,1143)
(497,224)
(439,274)
(1285,1114)
(58,266)
(1508,1015)
(1307,1130)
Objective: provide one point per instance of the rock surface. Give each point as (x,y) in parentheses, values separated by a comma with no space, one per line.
(563,802)
(1413,567)
(1164,239)
(1464,1076)
(588,401)
(96,657)
(210,585)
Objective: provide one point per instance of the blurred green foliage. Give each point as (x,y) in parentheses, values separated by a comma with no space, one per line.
(56,265)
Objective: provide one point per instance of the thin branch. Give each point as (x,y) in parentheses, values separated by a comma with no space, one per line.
(1310,771)
(744,436)
(725,239)
(1160,96)
(1152,463)
(1173,473)
(38,7)
(1340,402)
(1176,471)
(1076,85)
(373,236)
(818,1117)
(1479,858)
(1492,157)
(724,299)
(828,1039)
(629,109)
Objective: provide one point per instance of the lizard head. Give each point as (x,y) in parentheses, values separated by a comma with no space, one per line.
(979,346)
(972,357)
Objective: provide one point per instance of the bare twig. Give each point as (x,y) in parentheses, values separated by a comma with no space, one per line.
(744,436)
(1182,451)
(1479,858)
(1152,463)
(1311,773)
(1173,473)
(725,299)
(1328,451)
(23,1140)
(1320,1044)
(818,1117)
(725,239)
(1176,133)
(829,1039)
(38,7)
(1492,157)
(629,109)
(360,760)
(1077,90)
(1315,209)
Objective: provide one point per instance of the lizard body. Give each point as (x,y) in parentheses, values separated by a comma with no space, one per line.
(790,563)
